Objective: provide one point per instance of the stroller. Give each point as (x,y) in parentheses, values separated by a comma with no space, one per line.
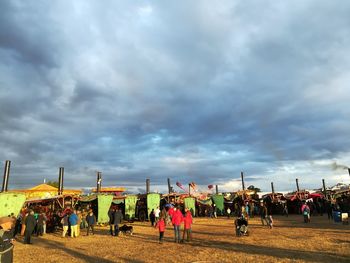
(241,225)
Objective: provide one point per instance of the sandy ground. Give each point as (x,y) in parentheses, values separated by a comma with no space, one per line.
(214,240)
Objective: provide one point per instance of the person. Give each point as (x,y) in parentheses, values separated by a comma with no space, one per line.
(73,220)
(263,214)
(23,227)
(305,210)
(41,221)
(118,219)
(270,220)
(161,227)
(152,217)
(241,225)
(78,222)
(157,213)
(91,222)
(176,221)
(247,210)
(215,211)
(36,216)
(188,220)
(165,216)
(328,206)
(65,224)
(228,211)
(44,223)
(83,223)
(285,210)
(30,224)
(251,209)
(111,220)
(170,213)
(18,225)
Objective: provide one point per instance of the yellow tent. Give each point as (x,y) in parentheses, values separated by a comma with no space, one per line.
(46,191)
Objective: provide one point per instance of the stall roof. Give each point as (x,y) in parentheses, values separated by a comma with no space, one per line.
(42,200)
(110,190)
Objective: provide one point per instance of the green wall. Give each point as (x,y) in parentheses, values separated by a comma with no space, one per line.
(11,203)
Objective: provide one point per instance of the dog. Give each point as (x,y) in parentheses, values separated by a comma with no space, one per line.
(126,230)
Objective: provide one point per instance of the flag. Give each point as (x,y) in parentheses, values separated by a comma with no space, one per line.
(194,186)
(180,185)
(210,186)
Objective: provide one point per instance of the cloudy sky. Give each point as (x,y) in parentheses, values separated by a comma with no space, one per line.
(190,90)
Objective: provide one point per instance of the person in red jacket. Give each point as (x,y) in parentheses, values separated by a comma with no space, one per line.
(176,220)
(188,220)
(171,211)
(161,227)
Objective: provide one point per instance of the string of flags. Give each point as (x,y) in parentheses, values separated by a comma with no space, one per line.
(193,185)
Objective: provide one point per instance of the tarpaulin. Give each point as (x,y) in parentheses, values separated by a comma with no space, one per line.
(219,203)
(153,201)
(11,203)
(190,203)
(130,206)
(118,201)
(104,202)
(205,202)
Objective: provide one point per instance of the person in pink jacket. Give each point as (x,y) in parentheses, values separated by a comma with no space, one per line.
(176,220)
(188,220)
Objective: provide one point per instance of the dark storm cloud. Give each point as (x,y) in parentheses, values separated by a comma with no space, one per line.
(191,91)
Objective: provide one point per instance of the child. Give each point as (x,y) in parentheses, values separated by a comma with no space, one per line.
(161,227)
(91,221)
(187,226)
(270,221)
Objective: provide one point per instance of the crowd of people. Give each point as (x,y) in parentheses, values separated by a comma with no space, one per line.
(174,217)
(36,221)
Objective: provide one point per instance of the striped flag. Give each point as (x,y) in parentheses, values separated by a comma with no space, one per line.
(194,186)
(180,185)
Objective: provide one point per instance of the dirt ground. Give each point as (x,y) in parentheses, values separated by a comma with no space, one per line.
(214,240)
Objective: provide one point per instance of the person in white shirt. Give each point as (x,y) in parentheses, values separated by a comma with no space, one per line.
(157,213)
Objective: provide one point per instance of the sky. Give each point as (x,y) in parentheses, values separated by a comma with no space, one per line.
(194,91)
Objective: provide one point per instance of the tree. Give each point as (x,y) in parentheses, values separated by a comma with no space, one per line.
(53,183)
(253,188)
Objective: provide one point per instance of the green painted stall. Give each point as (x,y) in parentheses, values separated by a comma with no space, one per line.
(219,203)
(100,203)
(153,201)
(190,203)
(11,203)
